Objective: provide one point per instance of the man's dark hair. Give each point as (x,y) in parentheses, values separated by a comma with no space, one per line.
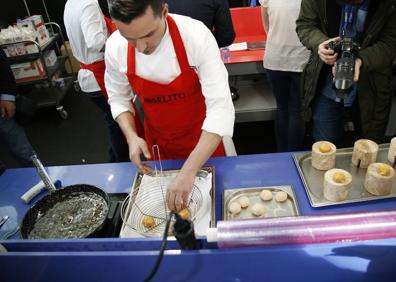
(127,10)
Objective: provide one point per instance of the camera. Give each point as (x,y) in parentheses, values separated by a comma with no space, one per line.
(345,65)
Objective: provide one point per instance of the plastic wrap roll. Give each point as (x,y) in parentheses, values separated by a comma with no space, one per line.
(325,228)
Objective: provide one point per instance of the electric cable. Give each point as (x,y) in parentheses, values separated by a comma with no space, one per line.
(162,250)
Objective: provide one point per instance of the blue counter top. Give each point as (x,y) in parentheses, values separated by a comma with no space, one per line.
(113,259)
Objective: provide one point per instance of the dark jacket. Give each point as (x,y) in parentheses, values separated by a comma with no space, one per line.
(378,50)
(7,80)
(215,14)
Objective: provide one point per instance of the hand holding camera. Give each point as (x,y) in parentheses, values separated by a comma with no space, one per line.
(347,65)
(328,56)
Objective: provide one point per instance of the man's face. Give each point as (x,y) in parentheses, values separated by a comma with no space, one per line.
(145,32)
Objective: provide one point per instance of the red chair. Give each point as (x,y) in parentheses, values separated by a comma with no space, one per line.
(247,24)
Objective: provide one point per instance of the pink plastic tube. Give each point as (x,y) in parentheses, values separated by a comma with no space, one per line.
(305,229)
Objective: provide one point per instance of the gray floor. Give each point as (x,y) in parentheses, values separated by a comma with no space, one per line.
(82,137)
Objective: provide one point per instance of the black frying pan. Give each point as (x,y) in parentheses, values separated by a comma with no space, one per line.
(76,211)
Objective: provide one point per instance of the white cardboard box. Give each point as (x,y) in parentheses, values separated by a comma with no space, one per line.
(19,49)
(36,24)
(28,71)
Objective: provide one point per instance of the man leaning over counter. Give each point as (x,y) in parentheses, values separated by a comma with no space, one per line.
(172,64)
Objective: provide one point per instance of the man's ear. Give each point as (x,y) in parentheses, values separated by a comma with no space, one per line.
(165,10)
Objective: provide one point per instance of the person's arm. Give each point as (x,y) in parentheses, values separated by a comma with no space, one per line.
(309,31)
(220,114)
(264,15)
(180,189)
(137,146)
(308,26)
(381,54)
(8,88)
(94,27)
(120,99)
(223,27)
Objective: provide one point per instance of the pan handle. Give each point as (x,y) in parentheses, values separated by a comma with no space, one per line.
(43,174)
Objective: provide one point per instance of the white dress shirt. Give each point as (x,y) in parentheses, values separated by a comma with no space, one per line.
(284,51)
(87,32)
(162,67)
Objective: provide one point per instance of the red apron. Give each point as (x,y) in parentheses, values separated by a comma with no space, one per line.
(111,27)
(174,112)
(98,69)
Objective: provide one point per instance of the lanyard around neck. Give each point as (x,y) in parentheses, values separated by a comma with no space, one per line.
(347,19)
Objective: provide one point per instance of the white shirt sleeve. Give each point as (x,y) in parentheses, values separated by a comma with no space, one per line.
(220,113)
(117,84)
(93,27)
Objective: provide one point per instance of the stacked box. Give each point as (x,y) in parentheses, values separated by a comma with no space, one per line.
(36,24)
(28,71)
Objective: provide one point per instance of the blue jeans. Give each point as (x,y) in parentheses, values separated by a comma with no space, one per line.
(289,126)
(118,151)
(14,136)
(327,120)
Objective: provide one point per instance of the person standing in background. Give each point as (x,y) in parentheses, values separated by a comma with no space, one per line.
(372,25)
(215,14)
(285,58)
(11,133)
(87,31)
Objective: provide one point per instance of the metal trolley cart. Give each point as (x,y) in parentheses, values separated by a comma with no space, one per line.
(51,87)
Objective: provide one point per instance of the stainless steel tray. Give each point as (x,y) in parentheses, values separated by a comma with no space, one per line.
(274,208)
(313,178)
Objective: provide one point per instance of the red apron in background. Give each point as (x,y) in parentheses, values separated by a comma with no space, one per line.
(98,69)
(174,112)
(111,27)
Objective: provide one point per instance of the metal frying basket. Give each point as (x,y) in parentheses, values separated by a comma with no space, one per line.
(136,207)
(149,199)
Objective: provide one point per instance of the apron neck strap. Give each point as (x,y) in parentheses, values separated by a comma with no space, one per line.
(178,44)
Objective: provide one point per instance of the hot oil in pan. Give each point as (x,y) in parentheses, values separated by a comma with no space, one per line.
(75,216)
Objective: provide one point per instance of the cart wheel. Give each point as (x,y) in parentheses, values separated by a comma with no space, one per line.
(63,114)
(77,87)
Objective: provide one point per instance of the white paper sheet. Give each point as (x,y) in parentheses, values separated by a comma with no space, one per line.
(238,46)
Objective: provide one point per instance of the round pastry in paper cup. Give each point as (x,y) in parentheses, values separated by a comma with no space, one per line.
(379,179)
(364,153)
(323,155)
(337,184)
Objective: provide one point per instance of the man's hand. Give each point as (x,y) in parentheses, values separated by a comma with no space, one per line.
(179,191)
(358,65)
(7,109)
(138,146)
(327,55)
